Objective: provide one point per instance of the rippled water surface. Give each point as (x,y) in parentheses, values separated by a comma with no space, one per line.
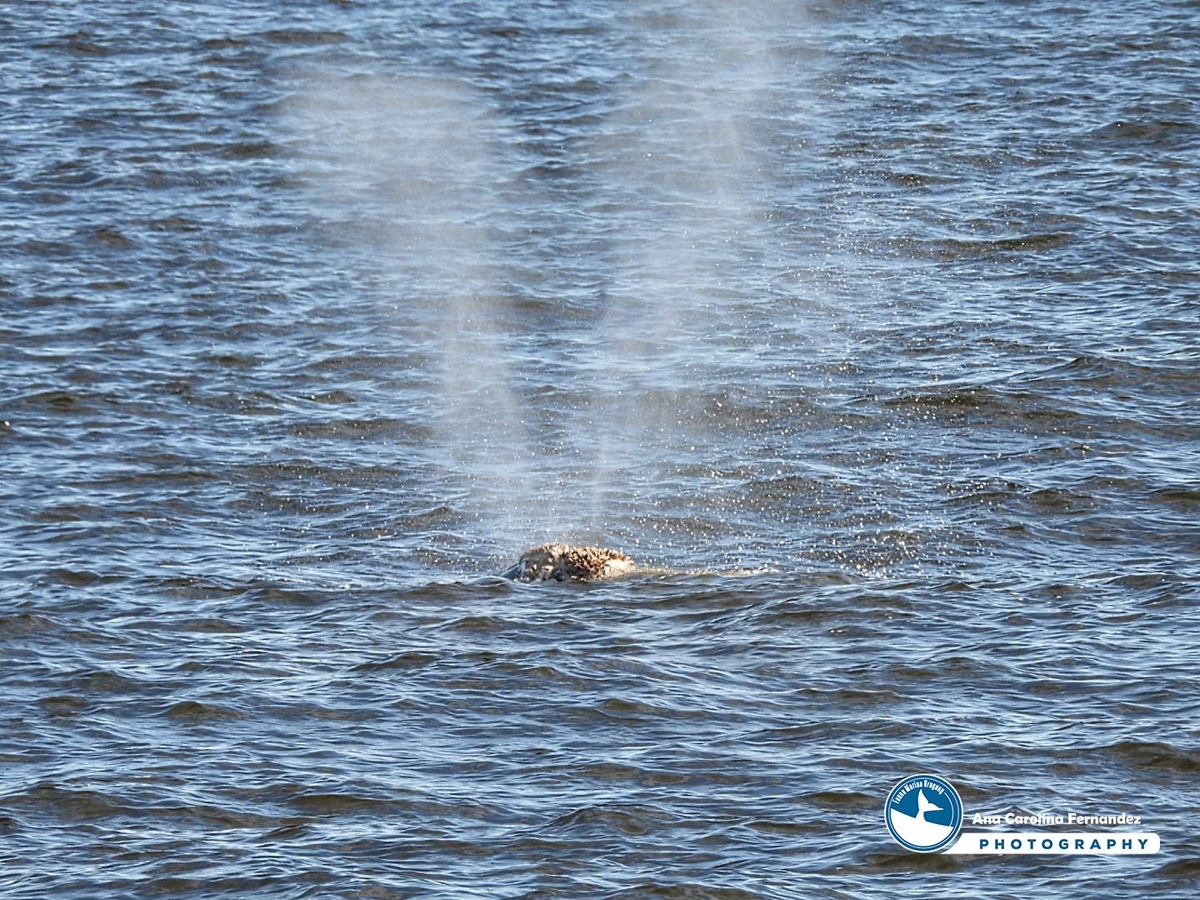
(869,328)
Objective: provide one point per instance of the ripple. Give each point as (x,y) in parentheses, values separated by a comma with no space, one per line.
(196,711)
(1155,756)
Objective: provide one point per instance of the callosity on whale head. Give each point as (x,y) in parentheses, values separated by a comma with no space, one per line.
(562,562)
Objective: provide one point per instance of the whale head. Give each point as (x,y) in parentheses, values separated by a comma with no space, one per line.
(562,562)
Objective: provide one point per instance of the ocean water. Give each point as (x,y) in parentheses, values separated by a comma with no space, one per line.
(870,329)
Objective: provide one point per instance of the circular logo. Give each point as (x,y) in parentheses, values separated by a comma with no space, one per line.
(924,813)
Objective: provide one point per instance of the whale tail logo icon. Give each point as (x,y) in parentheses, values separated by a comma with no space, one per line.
(924,805)
(924,813)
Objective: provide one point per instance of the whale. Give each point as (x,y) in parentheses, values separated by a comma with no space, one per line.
(563,562)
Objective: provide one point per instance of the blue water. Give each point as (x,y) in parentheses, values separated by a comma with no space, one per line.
(869,329)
